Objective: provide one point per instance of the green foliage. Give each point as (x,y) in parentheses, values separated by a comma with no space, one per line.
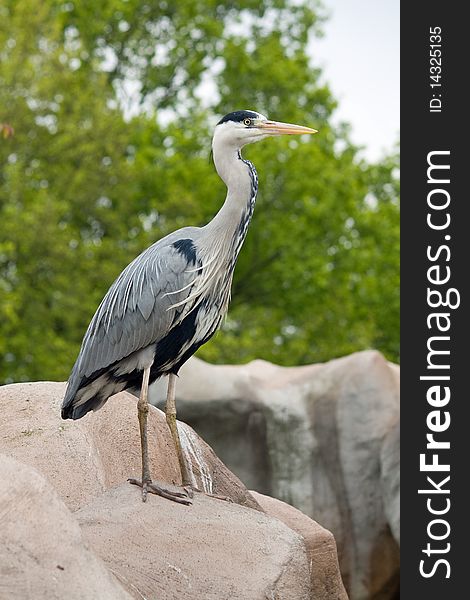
(84,187)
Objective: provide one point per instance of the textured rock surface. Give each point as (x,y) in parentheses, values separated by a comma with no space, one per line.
(107,543)
(390,478)
(83,458)
(42,553)
(323,438)
(211,550)
(320,544)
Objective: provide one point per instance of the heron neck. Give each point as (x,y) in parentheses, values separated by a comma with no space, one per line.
(240,177)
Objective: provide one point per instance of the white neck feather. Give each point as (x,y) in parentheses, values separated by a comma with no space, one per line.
(235,173)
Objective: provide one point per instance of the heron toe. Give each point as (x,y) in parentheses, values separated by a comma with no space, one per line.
(191,488)
(154,488)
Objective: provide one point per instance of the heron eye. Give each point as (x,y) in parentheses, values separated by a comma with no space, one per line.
(247,122)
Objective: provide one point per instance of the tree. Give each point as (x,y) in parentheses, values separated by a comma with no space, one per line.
(91,177)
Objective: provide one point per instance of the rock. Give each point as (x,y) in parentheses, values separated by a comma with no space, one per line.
(83,458)
(320,437)
(326,580)
(160,549)
(42,553)
(210,550)
(390,478)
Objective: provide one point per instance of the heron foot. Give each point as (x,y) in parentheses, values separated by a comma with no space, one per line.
(150,487)
(191,488)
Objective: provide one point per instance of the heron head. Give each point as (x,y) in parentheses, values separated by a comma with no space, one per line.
(247,126)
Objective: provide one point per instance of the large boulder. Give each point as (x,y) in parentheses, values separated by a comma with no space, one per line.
(94,530)
(42,552)
(211,550)
(84,458)
(324,438)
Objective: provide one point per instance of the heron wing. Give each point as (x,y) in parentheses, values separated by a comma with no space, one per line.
(138,309)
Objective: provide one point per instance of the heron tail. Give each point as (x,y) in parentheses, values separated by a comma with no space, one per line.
(90,394)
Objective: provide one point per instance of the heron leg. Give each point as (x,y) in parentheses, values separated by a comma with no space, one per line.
(147,485)
(170,412)
(143,411)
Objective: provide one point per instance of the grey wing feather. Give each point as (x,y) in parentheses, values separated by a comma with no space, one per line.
(137,310)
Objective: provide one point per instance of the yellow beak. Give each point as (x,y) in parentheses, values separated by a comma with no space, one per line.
(276,128)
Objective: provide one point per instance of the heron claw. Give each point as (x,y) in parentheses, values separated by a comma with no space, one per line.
(153,488)
(189,489)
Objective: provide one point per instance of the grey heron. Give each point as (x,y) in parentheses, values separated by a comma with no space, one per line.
(172,298)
